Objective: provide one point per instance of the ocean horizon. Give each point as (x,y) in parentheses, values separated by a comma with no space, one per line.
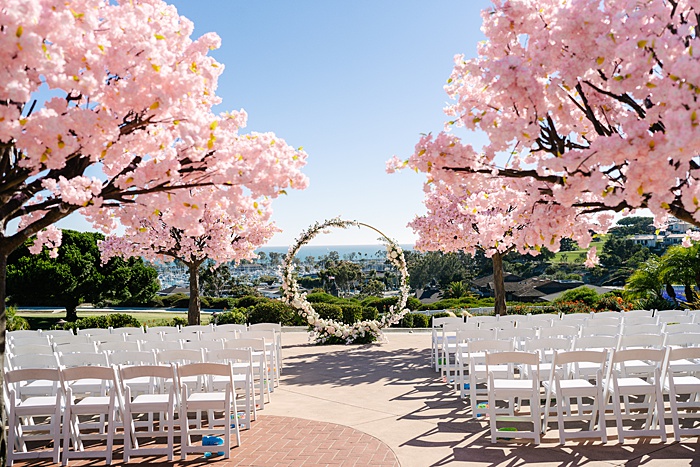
(361,251)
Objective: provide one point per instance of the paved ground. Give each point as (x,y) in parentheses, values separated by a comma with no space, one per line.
(371,405)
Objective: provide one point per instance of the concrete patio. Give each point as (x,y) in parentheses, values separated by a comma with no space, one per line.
(382,405)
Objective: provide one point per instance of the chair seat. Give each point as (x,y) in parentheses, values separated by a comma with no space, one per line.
(36,406)
(633,385)
(679,366)
(499,371)
(685,384)
(90,403)
(516,384)
(143,400)
(204,400)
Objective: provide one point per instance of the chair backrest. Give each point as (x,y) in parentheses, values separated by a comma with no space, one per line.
(30,349)
(579,356)
(269,336)
(128,330)
(520,334)
(642,313)
(606,314)
(675,319)
(543,344)
(93,331)
(277,327)
(204,369)
(163,329)
(9,335)
(591,328)
(559,330)
(684,339)
(77,373)
(42,360)
(515,357)
(32,374)
(35,340)
(640,341)
(230,327)
(641,329)
(161,345)
(151,370)
(174,337)
(229,355)
(488,319)
(107,338)
(150,337)
(491,345)
(681,353)
(197,328)
(82,359)
(439,322)
(181,356)
(466,335)
(683,328)
(58,332)
(69,339)
(578,318)
(87,347)
(204,345)
(638,320)
(119,346)
(650,355)
(595,342)
(257,345)
(132,357)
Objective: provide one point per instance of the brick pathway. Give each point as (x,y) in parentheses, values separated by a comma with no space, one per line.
(279,441)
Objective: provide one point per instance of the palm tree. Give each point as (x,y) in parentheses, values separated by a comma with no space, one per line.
(681,265)
(647,280)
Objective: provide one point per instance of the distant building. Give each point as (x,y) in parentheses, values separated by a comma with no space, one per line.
(524,290)
(648,241)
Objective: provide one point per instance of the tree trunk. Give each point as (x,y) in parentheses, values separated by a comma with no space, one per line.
(499,286)
(71,310)
(3,325)
(194,309)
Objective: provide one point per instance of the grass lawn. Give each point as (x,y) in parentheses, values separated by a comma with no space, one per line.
(579,256)
(46,320)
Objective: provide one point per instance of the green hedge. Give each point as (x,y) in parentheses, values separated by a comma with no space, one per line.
(115,320)
(231,317)
(274,311)
(351,313)
(329,311)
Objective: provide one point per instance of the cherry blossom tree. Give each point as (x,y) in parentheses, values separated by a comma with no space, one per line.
(109,103)
(588,107)
(495,221)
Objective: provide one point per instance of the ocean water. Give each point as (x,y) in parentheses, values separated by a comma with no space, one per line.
(361,251)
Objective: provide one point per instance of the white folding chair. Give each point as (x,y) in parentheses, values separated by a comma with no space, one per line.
(675,319)
(277,328)
(182,357)
(448,345)
(260,366)
(80,359)
(477,351)
(630,329)
(152,402)
(607,315)
(566,383)
(510,389)
(635,320)
(241,361)
(681,379)
(39,387)
(84,347)
(519,334)
(620,384)
(18,342)
(545,347)
(461,355)
(149,337)
(101,338)
(692,328)
(575,318)
(23,427)
(209,402)
(106,404)
(20,333)
(203,345)
(195,329)
(69,339)
(271,349)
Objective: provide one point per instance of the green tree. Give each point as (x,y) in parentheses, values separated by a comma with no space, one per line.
(76,275)
(647,281)
(435,266)
(456,290)
(345,273)
(215,280)
(680,265)
(372,288)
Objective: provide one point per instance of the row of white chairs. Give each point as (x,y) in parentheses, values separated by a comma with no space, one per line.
(93,402)
(598,380)
(447,331)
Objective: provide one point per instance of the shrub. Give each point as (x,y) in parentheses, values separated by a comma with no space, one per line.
(274,311)
(440,314)
(406,321)
(579,294)
(219,303)
(250,300)
(351,313)
(177,321)
(420,320)
(115,320)
(323,297)
(170,300)
(156,302)
(231,317)
(369,313)
(14,322)
(329,311)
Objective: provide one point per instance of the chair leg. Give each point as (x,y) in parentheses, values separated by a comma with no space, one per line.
(618,418)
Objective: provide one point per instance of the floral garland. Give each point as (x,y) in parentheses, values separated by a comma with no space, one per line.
(327,329)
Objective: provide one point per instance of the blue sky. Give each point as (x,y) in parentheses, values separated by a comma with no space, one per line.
(354,83)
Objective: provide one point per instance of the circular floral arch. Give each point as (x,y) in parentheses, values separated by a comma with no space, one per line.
(328,329)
